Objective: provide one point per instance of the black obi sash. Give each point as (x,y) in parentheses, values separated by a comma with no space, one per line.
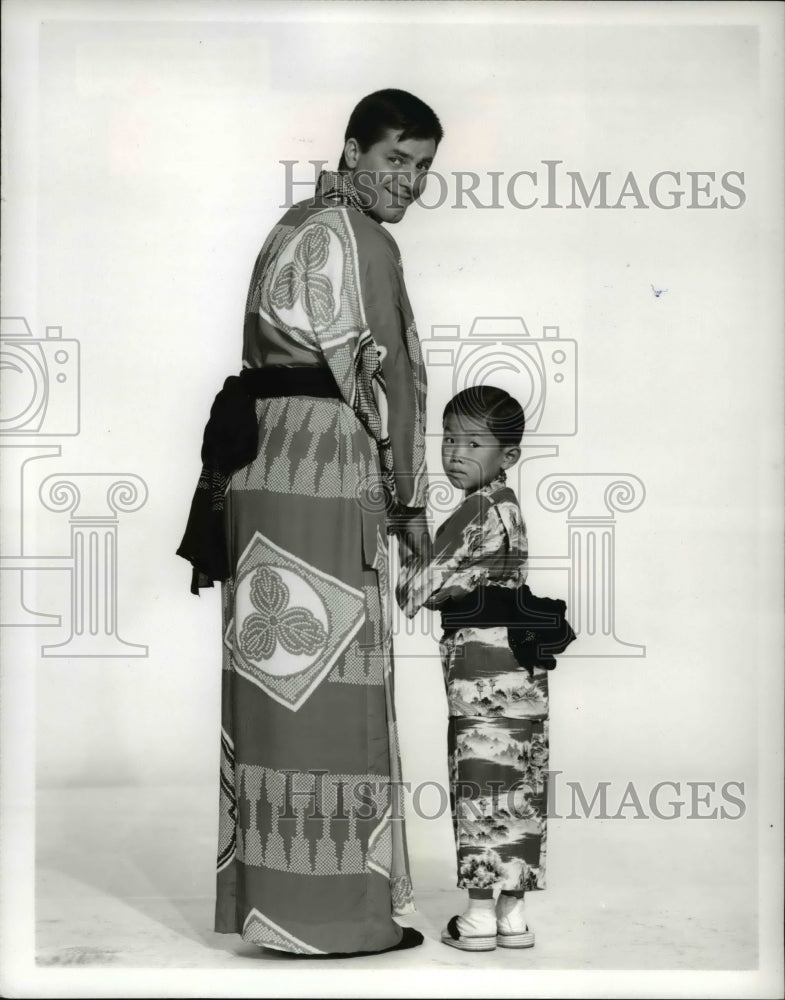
(537,628)
(230,442)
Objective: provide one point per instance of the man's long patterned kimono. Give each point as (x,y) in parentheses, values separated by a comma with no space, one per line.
(312,852)
(498,726)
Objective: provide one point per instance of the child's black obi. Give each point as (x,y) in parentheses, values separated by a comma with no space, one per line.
(537,628)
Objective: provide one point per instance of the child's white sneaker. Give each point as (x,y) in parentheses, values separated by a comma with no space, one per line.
(512,931)
(474,930)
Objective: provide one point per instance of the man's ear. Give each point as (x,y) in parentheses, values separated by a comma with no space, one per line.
(351,153)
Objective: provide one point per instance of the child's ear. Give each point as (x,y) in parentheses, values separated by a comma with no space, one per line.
(511,456)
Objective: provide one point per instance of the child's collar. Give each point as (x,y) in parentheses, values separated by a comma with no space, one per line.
(498,481)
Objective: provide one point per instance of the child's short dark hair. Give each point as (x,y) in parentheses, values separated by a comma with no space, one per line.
(497,409)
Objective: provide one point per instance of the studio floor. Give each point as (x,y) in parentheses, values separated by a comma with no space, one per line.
(124,879)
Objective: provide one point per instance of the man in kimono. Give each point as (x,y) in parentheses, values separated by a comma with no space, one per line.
(312,852)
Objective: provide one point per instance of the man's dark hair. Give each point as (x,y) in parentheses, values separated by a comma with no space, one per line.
(497,409)
(396,110)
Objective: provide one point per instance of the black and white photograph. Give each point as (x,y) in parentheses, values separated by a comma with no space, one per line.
(391,468)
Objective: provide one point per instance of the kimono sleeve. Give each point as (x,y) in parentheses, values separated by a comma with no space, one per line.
(470,549)
(391,325)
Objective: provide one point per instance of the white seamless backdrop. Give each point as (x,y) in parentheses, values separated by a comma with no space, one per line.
(158,174)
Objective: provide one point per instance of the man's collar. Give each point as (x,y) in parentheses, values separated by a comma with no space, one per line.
(335,185)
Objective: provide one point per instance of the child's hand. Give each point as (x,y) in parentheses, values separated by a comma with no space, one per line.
(414,538)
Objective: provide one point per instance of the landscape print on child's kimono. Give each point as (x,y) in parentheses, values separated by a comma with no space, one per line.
(513,695)
(511,753)
(500,800)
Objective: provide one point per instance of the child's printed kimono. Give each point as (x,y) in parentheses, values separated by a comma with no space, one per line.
(498,726)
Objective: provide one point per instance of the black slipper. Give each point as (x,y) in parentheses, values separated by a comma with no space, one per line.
(409,939)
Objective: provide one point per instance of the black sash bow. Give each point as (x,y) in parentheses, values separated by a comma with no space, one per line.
(537,628)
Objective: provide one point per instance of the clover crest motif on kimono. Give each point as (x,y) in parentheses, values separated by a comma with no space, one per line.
(292,622)
(311,287)
(300,278)
(296,629)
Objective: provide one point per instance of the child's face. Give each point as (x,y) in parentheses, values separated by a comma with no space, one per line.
(471,455)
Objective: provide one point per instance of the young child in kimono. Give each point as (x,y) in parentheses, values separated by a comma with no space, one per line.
(497,698)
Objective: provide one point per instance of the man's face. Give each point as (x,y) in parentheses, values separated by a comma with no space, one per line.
(390,174)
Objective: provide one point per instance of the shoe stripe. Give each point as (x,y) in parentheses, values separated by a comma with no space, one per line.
(452,929)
